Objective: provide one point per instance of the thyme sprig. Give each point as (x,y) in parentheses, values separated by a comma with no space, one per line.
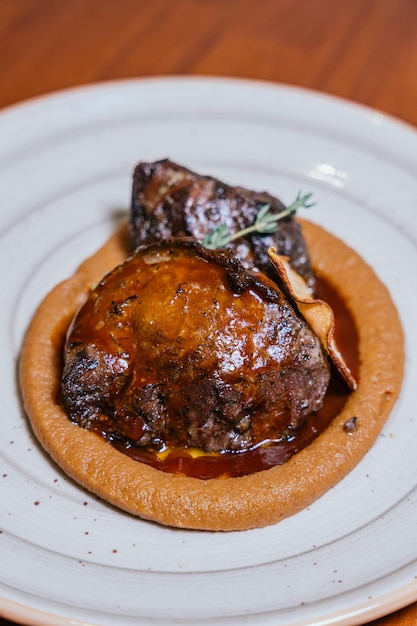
(265,223)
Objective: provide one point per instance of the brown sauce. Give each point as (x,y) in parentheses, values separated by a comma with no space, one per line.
(271,452)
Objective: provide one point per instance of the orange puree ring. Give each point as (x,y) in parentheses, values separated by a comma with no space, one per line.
(237,503)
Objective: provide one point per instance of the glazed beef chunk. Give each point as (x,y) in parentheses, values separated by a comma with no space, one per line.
(169,200)
(182,346)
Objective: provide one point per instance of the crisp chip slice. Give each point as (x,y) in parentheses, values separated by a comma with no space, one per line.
(317,313)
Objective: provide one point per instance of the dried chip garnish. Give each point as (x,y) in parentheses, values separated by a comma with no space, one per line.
(317,313)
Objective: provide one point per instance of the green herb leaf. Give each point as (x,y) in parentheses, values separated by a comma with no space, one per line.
(219,237)
(265,223)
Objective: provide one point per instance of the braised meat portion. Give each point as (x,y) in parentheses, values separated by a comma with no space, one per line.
(171,201)
(181,346)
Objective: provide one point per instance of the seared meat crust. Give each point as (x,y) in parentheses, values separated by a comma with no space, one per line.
(181,346)
(171,201)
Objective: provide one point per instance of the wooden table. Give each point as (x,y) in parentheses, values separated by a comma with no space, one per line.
(363,50)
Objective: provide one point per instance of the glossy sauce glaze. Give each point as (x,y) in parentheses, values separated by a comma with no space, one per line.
(181,347)
(272,452)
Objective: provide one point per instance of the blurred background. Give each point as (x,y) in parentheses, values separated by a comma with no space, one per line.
(365,50)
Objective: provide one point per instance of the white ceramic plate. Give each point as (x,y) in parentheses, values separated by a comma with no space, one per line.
(65,174)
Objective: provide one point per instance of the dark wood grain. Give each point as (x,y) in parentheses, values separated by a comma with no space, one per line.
(362,50)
